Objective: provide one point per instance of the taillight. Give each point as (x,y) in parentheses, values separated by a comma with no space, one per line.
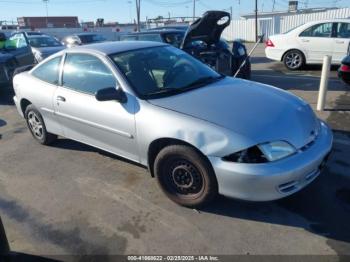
(345,68)
(269,43)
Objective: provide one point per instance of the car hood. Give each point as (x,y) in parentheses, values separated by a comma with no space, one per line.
(46,51)
(207,28)
(259,112)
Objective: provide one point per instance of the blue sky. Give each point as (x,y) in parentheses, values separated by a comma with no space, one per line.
(124,10)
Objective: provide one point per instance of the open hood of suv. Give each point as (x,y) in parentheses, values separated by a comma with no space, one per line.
(208,28)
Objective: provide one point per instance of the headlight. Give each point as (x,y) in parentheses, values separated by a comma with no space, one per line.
(262,153)
(38,57)
(276,150)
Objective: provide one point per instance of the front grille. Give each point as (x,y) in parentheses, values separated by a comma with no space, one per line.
(307,146)
(312,175)
(295,184)
(288,187)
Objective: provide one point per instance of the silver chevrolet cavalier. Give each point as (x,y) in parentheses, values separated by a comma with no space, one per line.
(199,133)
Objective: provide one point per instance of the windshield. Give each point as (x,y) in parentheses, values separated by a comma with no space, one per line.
(41,41)
(163,71)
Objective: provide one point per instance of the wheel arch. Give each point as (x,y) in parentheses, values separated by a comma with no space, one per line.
(24,104)
(157,145)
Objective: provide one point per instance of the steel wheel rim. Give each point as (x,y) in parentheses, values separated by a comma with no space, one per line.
(35,125)
(184,179)
(293,60)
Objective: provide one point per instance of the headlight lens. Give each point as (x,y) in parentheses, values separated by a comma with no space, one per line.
(276,150)
(38,56)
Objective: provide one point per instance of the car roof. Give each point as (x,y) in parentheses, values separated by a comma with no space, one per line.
(28,32)
(179,27)
(109,48)
(345,20)
(160,31)
(86,33)
(39,36)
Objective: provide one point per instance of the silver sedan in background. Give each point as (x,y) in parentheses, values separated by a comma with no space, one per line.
(199,133)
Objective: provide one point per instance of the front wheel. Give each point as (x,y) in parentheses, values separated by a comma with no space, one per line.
(185,176)
(293,60)
(37,126)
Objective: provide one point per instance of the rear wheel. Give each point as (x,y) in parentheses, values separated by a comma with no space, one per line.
(37,126)
(294,60)
(185,176)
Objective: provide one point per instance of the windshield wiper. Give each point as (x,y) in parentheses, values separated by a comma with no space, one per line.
(195,84)
(202,81)
(165,91)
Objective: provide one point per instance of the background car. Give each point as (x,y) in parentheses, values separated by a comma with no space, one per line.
(163,35)
(203,41)
(44,46)
(344,70)
(16,52)
(28,33)
(309,43)
(196,130)
(82,39)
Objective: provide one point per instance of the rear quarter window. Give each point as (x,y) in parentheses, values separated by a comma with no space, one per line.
(48,71)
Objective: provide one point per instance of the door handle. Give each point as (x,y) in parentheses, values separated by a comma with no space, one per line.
(305,40)
(61,99)
(339,42)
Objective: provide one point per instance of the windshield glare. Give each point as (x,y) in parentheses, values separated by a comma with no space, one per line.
(43,42)
(163,70)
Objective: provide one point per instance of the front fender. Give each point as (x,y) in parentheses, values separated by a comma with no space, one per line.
(154,122)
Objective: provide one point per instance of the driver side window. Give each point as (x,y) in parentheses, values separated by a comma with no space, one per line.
(86,73)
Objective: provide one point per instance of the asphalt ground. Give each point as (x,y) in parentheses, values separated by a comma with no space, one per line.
(72,199)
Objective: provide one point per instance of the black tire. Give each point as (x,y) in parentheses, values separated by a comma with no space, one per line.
(294,60)
(185,176)
(36,125)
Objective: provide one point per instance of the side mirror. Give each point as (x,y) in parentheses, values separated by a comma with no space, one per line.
(110,94)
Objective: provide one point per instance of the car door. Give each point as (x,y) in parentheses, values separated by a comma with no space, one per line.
(22,50)
(342,41)
(108,125)
(317,41)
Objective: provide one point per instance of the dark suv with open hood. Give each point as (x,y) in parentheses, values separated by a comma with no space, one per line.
(202,40)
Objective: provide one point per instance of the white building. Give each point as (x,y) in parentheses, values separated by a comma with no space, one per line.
(270,23)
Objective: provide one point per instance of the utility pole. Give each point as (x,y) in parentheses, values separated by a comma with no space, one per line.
(231,11)
(138,7)
(47,12)
(273,5)
(194,10)
(256,21)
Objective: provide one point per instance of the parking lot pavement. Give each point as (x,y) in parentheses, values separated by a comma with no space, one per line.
(69,198)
